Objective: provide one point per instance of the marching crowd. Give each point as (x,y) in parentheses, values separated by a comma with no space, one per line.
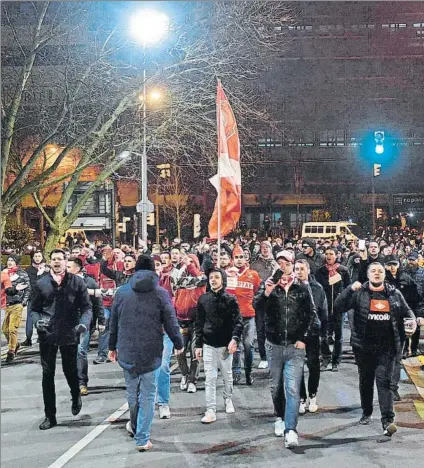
(292,296)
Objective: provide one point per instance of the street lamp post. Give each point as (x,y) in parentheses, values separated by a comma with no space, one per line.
(147,27)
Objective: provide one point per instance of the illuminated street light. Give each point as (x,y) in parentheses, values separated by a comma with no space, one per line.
(148,26)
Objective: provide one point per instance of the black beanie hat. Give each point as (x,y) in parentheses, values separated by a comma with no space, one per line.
(15,258)
(309,242)
(144,262)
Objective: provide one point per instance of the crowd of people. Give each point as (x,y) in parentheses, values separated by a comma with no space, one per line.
(210,304)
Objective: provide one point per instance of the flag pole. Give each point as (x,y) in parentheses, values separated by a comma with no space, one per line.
(218,119)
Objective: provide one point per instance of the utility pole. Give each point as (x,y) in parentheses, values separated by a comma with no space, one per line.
(376,170)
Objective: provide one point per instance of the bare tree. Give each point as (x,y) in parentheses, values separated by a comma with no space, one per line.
(95,107)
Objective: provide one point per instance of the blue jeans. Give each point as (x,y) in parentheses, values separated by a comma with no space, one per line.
(29,326)
(84,345)
(247,339)
(286,370)
(141,391)
(164,377)
(104,337)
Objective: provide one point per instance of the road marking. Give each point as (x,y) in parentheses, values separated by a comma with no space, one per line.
(75,449)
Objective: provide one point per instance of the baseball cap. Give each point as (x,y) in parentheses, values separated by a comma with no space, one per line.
(286,255)
(413,256)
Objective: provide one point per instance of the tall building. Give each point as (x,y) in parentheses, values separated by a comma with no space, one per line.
(349,69)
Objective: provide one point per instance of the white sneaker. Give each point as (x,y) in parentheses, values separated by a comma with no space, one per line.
(164,412)
(229,407)
(129,429)
(302,407)
(209,417)
(263,365)
(183,383)
(291,440)
(279,427)
(191,388)
(313,407)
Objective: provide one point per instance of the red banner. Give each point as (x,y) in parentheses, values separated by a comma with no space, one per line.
(228,179)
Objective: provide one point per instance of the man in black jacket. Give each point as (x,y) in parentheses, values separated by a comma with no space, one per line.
(333,277)
(302,272)
(290,315)
(75,267)
(397,277)
(381,318)
(315,259)
(36,271)
(218,328)
(61,310)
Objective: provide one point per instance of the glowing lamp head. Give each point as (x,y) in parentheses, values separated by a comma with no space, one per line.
(149,26)
(379,149)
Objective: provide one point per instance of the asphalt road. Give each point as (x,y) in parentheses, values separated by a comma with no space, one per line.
(329,438)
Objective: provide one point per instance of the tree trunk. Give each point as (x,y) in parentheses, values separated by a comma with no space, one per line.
(52,241)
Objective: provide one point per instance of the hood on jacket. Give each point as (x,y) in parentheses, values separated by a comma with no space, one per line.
(195,260)
(223,275)
(144,281)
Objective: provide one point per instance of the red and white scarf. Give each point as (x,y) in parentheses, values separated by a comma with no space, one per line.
(58,278)
(332,269)
(286,281)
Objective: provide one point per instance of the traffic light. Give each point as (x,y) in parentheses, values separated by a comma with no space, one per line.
(165,170)
(377,170)
(379,213)
(379,142)
(151,219)
(122,227)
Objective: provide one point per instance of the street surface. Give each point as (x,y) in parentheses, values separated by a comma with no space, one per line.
(329,438)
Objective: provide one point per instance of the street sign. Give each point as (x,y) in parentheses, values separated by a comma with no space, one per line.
(147,207)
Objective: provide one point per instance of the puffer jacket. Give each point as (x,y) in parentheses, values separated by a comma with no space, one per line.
(264,267)
(19,297)
(289,317)
(140,312)
(64,307)
(360,302)
(189,285)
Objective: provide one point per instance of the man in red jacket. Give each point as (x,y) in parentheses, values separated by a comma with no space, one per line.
(244,283)
(190,284)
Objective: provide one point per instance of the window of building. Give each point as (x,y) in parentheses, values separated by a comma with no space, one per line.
(418,25)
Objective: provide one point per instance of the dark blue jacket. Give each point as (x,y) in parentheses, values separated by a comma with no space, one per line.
(140,311)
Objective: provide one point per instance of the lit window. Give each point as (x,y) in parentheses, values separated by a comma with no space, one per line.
(418,25)
(385,25)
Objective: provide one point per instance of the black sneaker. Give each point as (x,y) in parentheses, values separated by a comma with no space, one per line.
(27,343)
(324,364)
(76,405)
(10,357)
(236,379)
(389,429)
(48,423)
(101,360)
(249,380)
(335,368)
(396,396)
(365,420)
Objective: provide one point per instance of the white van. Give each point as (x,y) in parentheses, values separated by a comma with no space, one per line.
(329,230)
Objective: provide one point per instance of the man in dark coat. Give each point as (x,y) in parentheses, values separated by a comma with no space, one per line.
(141,310)
(381,318)
(333,277)
(61,310)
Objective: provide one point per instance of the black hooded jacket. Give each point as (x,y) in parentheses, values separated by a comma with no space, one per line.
(218,318)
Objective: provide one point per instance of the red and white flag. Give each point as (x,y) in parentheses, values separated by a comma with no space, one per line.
(228,179)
